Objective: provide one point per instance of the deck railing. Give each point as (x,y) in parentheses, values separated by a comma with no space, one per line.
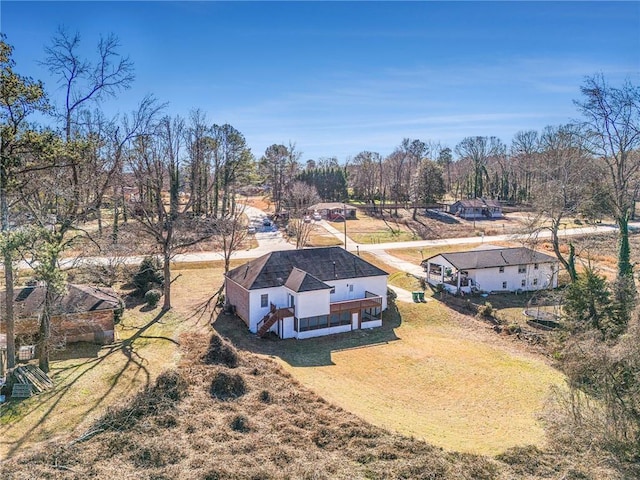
(370,300)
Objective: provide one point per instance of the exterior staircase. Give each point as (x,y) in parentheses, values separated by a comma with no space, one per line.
(272,317)
(266,323)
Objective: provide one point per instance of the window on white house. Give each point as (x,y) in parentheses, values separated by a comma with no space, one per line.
(523,283)
(370,314)
(504,285)
(535,281)
(522,269)
(535,266)
(264,300)
(312,323)
(342,318)
(351,287)
(501,269)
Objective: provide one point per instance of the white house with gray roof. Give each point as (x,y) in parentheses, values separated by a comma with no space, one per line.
(492,269)
(307,293)
(476,208)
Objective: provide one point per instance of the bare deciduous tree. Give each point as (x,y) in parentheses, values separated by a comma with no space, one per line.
(157,164)
(83,81)
(479,150)
(611,129)
(300,196)
(563,170)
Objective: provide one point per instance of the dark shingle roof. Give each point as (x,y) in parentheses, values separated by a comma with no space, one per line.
(331,206)
(495,257)
(478,203)
(28,301)
(301,281)
(323,264)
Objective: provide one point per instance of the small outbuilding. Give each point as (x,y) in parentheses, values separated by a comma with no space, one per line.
(82,313)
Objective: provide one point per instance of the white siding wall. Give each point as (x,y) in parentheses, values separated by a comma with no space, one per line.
(277,296)
(310,304)
(372,324)
(491,279)
(376,285)
(287,328)
(323,331)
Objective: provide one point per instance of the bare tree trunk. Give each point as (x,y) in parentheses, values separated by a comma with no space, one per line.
(567,263)
(99,218)
(166,268)
(44,336)
(9,311)
(8,272)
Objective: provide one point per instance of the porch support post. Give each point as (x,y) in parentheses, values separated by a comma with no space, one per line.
(458,273)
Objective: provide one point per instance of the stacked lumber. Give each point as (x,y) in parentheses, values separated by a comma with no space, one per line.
(33,376)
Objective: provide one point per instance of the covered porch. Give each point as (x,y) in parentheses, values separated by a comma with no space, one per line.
(453,280)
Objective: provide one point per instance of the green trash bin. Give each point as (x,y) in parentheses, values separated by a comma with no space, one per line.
(421,296)
(415,297)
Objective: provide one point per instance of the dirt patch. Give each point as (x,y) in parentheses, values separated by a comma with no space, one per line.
(377,227)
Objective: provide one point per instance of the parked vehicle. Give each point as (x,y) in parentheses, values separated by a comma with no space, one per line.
(266,222)
(307,219)
(317,217)
(251,230)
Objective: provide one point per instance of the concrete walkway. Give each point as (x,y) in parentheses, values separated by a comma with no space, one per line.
(403,295)
(408,267)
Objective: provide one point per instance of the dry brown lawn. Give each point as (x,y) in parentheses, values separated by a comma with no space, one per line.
(261,202)
(436,375)
(322,238)
(223,413)
(369,229)
(387,228)
(89,379)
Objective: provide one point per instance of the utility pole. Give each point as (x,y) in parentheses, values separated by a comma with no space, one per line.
(344,211)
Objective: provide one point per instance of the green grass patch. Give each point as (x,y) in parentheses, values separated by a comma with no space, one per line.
(404,280)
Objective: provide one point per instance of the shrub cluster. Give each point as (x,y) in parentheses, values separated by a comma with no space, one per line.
(170,388)
(148,276)
(227,386)
(220,352)
(152,297)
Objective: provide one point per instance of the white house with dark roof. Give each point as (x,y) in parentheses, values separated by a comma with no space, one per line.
(476,208)
(492,269)
(307,293)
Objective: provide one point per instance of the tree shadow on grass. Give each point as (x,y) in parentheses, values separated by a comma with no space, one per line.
(67,377)
(310,352)
(77,350)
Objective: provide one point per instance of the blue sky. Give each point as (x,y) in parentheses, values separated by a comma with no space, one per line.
(337,78)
